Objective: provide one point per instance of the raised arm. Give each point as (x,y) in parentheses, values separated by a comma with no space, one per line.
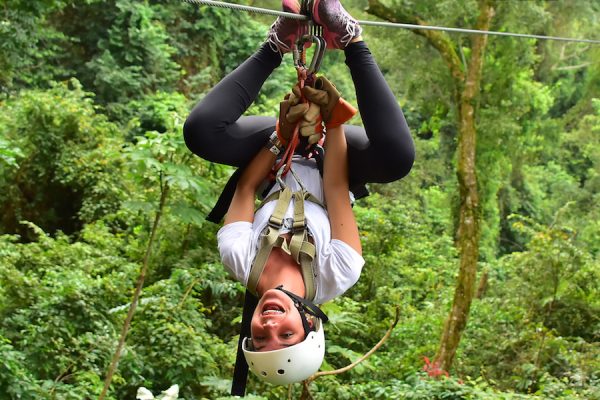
(242,204)
(335,186)
(335,111)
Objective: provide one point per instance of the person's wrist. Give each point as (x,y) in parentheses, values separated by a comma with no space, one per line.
(341,112)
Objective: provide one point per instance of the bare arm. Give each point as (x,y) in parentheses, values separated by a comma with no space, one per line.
(242,204)
(335,186)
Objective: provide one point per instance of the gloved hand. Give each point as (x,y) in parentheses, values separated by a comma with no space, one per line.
(290,112)
(311,126)
(334,110)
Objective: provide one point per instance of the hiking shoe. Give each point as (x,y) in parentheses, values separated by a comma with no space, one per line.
(284,31)
(338,26)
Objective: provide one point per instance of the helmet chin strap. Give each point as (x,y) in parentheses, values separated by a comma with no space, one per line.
(305,307)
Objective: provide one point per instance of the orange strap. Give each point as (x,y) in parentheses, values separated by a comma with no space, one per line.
(286,159)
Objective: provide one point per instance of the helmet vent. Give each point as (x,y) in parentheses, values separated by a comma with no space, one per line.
(289,360)
(263,373)
(281,371)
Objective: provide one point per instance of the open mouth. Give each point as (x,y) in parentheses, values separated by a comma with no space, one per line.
(272,309)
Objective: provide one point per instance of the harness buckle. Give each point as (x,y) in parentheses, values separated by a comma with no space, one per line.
(274,224)
(279,178)
(298,227)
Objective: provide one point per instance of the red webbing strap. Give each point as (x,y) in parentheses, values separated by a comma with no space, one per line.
(286,159)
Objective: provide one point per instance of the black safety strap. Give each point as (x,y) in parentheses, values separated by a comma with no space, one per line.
(222,205)
(305,305)
(359,191)
(319,157)
(240,372)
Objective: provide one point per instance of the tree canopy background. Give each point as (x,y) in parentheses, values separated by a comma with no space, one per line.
(93,95)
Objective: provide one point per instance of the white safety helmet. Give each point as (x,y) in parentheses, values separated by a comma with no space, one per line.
(289,364)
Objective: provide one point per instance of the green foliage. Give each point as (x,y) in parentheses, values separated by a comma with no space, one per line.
(9,154)
(558,278)
(398,248)
(29,49)
(62,290)
(135,59)
(15,379)
(60,148)
(170,342)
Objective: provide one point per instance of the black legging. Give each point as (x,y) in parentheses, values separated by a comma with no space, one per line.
(382,151)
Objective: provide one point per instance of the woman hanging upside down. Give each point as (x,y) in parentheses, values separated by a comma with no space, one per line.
(283,337)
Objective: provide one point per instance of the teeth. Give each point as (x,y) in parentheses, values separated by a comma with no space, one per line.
(265,312)
(272,307)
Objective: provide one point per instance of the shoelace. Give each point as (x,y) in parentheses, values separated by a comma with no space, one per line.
(350,27)
(274,42)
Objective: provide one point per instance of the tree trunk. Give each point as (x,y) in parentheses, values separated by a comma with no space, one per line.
(469,218)
(483,285)
(467,87)
(467,239)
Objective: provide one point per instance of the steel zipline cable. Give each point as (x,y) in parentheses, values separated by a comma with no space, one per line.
(266,11)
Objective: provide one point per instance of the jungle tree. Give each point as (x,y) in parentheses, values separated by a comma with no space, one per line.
(466,78)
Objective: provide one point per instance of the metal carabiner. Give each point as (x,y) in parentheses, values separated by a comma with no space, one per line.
(282,184)
(317,32)
(322,48)
(316,59)
(299,51)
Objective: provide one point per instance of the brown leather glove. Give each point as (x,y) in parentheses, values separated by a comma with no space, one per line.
(311,126)
(334,110)
(290,112)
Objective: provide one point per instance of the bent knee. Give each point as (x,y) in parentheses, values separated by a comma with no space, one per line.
(398,158)
(199,133)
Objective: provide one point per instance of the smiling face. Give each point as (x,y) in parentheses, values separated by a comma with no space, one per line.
(276,322)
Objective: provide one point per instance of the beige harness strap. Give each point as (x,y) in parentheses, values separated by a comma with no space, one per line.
(271,239)
(300,248)
(275,195)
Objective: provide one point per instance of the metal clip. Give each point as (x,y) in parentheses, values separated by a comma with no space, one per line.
(314,35)
(317,32)
(279,175)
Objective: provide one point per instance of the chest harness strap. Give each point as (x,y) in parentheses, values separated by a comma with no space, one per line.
(299,247)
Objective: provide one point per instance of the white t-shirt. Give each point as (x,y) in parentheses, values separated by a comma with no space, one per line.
(337,265)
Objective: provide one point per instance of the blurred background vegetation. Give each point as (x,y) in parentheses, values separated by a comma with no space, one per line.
(93,95)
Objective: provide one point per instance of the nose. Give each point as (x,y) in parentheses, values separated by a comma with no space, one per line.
(269,323)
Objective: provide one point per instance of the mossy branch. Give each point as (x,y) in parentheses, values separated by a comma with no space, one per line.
(306,392)
(136,295)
